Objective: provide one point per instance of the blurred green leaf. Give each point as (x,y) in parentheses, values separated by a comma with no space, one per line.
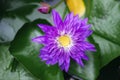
(5,67)
(6,32)
(13,14)
(31,1)
(105,17)
(22,11)
(27,52)
(8,28)
(18,8)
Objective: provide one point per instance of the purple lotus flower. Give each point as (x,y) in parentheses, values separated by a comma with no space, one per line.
(65,40)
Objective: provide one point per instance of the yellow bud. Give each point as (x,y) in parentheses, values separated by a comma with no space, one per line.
(76,6)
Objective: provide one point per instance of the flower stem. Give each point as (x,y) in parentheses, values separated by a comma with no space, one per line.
(57,4)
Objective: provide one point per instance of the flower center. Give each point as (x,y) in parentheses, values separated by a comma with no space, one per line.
(64,40)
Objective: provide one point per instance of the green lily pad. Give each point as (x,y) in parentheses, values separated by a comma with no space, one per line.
(27,52)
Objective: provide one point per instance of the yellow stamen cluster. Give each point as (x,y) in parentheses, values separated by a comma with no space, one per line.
(64,40)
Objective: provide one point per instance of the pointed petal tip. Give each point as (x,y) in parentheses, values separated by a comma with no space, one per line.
(54,12)
(85,21)
(39,39)
(89,25)
(69,17)
(34,40)
(66,70)
(71,14)
(94,50)
(40,25)
(81,64)
(56,18)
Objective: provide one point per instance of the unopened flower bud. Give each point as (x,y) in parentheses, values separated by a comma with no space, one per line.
(76,6)
(44,8)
